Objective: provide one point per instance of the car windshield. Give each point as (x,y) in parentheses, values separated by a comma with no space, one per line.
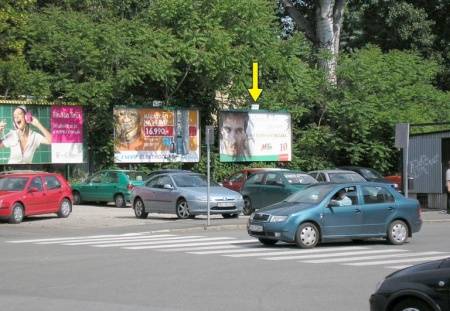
(13,183)
(345,177)
(311,195)
(370,173)
(299,179)
(135,175)
(191,180)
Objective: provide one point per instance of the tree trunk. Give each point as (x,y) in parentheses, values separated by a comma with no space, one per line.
(329,15)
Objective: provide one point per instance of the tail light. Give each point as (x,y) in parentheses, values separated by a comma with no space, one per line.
(130,187)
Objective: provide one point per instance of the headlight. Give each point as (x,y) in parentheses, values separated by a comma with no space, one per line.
(278,218)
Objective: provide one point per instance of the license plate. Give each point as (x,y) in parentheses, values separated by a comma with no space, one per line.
(225,204)
(256,228)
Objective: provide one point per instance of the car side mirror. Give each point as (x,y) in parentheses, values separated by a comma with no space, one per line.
(168,186)
(33,189)
(333,203)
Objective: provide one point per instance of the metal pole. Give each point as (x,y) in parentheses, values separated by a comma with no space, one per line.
(208,175)
(405,166)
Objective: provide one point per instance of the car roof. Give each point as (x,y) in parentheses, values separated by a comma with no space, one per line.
(25,173)
(344,184)
(333,171)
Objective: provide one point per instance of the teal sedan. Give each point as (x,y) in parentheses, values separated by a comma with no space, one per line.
(318,214)
(269,187)
(107,186)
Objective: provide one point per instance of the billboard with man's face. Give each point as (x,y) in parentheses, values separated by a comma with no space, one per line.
(40,134)
(255,136)
(143,135)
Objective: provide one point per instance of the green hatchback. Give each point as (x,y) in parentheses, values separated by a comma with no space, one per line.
(107,186)
(269,187)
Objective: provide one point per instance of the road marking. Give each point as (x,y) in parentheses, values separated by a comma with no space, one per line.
(79,237)
(384,262)
(401,255)
(328,255)
(229,251)
(157,242)
(131,238)
(200,248)
(140,239)
(302,251)
(189,244)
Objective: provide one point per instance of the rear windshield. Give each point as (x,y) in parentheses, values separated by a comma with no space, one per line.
(299,179)
(13,183)
(135,175)
(345,177)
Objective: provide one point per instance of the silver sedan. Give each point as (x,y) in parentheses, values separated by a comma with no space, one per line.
(184,194)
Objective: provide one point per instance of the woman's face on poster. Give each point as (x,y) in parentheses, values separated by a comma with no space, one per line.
(19,119)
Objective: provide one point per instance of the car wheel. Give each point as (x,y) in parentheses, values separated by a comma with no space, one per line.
(411,304)
(248,209)
(17,214)
(307,235)
(230,216)
(65,208)
(119,200)
(267,241)
(398,232)
(139,209)
(76,198)
(182,209)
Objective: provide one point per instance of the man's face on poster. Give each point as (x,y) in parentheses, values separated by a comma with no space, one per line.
(127,125)
(233,134)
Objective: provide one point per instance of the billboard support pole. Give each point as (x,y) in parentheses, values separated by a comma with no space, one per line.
(209,140)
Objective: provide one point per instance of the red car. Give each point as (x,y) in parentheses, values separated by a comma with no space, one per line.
(31,193)
(236,181)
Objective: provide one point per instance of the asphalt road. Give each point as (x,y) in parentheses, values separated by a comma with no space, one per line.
(102,258)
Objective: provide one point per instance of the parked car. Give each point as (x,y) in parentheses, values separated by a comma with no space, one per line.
(33,193)
(107,186)
(184,194)
(312,215)
(268,187)
(370,174)
(336,176)
(236,181)
(162,171)
(423,287)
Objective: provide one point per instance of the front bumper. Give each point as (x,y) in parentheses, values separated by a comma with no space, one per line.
(271,230)
(377,302)
(200,207)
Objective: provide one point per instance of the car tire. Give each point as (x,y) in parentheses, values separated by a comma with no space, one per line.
(65,208)
(76,198)
(17,214)
(226,216)
(398,232)
(267,241)
(139,209)
(248,209)
(119,200)
(307,235)
(410,304)
(182,209)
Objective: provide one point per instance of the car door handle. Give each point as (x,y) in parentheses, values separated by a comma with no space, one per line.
(390,208)
(357,210)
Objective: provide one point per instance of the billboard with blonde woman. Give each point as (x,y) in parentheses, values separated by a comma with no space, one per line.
(255,136)
(39,134)
(144,135)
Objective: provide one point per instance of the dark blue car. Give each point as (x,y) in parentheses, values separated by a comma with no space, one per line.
(325,212)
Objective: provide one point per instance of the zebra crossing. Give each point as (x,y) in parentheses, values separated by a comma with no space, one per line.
(230,247)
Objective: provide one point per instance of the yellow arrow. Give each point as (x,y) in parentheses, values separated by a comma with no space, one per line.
(255,91)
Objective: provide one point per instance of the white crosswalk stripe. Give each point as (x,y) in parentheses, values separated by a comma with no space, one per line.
(352,255)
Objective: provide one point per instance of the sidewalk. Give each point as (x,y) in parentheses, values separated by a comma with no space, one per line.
(435,215)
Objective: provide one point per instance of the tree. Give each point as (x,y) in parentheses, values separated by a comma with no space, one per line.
(321,21)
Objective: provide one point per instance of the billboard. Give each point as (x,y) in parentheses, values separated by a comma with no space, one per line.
(255,136)
(40,134)
(143,135)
